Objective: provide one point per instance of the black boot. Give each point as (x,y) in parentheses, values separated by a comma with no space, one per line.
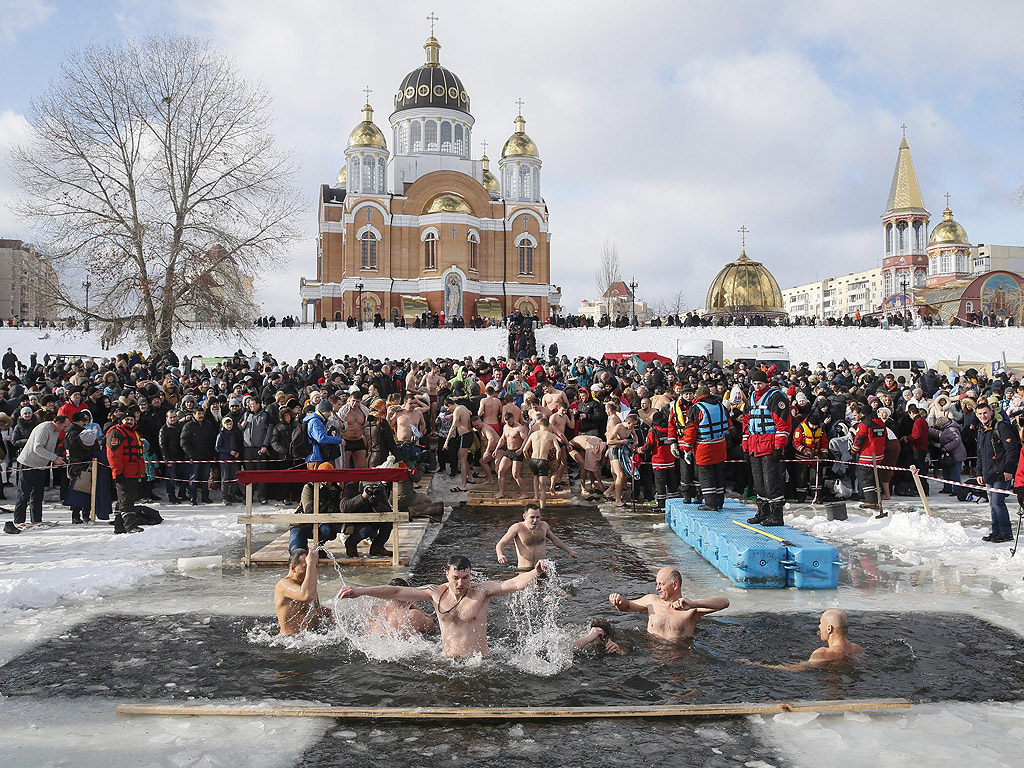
(762,513)
(119,523)
(774,516)
(76,517)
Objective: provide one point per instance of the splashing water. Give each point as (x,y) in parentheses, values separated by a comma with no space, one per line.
(536,643)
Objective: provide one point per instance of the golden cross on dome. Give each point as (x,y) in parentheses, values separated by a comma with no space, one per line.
(947,199)
(520,102)
(485,146)
(432,19)
(904,127)
(367,90)
(743,234)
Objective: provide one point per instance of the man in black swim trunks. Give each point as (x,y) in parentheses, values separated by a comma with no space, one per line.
(540,449)
(513,438)
(462,430)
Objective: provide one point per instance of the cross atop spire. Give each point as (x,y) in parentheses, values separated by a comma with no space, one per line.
(947,199)
(904,127)
(743,236)
(367,90)
(520,103)
(485,146)
(432,19)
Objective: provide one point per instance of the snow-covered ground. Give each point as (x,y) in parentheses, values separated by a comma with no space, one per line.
(804,344)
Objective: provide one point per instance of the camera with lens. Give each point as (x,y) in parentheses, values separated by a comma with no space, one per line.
(377,494)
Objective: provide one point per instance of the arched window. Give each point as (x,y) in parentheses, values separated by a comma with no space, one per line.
(367,182)
(417,141)
(430,251)
(888,238)
(917,235)
(888,285)
(901,236)
(458,140)
(430,136)
(466,143)
(511,190)
(526,245)
(380,175)
(933,264)
(961,262)
(402,145)
(474,247)
(918,278)
(946,265)
(536,184)
(368,243)
(446,137)
(525,183)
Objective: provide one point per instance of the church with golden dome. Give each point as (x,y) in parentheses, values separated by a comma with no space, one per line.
(744,288)
(424,226)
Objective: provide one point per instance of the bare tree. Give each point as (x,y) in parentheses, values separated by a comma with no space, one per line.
(607,272)
(671,305)
(151,169)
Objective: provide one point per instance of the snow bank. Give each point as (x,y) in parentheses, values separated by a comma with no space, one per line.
(913,538)
(804,344)
(74,564)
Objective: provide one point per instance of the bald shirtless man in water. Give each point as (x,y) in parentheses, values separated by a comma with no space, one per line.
(296,598)
(461,605)
(670,616)
(833,628)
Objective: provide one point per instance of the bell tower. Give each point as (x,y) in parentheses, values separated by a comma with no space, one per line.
(905,228)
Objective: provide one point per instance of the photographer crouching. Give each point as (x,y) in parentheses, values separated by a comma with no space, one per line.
(373,497)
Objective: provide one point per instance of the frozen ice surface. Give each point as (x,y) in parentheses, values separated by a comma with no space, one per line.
(92,735)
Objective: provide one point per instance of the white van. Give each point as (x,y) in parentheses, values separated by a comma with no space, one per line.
(758,357)
(897,366)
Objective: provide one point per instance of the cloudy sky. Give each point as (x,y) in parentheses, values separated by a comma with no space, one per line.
(663,125)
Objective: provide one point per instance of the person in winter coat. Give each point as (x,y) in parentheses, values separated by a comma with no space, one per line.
(257,432)
(320,440)
(658,447)
(175,470)
(998,452)
(378,436)
(809,445)
(229,454)
(704,444)
(124,452)
(946,433)
(280,453)
(766,432)
(868,446)
(198,440)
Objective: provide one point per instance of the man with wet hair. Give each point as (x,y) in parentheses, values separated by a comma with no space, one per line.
(399,618)
(296,598)
(671,616)
(460,604)
(530,537)
(600,638)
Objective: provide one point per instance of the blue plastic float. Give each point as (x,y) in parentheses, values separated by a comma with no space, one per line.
(751,559)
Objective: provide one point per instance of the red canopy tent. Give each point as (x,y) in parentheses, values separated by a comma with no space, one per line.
(647,357)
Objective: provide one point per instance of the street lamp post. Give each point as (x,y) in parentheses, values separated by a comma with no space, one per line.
(632,297)
(906,316)
(359,308)
(87,285)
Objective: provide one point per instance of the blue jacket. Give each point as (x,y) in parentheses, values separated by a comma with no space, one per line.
(227,442)
(316,431)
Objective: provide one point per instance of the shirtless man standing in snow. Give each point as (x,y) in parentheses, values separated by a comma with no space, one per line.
(462,430)
(489,438)
(410,417)
(460,604)
(296,598)
(431,382)
(670,616)
(531,537)
(513,438)
(490,408)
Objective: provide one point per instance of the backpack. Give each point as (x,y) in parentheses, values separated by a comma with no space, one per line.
(301,445)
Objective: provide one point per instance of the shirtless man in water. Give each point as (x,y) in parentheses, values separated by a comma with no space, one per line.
(296,598)
(540,450)
(460,604)
(399,618)
(670,616)
(531,537)
(513,438)
(353,416)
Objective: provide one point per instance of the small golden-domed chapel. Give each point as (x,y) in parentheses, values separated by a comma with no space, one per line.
(416,222)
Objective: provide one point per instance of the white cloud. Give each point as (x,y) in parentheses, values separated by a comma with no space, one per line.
(14,130)
(17,16)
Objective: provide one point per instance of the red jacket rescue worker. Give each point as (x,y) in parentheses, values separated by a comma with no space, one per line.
(703,444)
(659,447)
(767,424)
(809,444)
(868,446)
(124,452)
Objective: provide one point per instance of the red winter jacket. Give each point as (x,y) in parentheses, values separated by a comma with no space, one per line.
(659,447)
(767,422)
(917,440)
(869,441)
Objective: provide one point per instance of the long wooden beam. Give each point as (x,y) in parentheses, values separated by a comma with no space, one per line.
(301,518)
(514,713)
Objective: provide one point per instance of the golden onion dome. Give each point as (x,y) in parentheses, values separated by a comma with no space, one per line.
(490,180)
(432,85)
(366,134)
(342,177)
(948,232)
(744,287)
(448,202)
(519,144)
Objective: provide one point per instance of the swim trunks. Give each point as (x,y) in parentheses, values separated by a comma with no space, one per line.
(495,427)
(466,441)
(355,445)
(514,456)
(540,467)
(613,453)
(433,398)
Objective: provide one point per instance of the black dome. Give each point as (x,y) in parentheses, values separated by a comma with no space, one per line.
(432,86)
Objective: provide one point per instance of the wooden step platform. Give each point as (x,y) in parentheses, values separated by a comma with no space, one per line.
(411,535)
(488,500)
